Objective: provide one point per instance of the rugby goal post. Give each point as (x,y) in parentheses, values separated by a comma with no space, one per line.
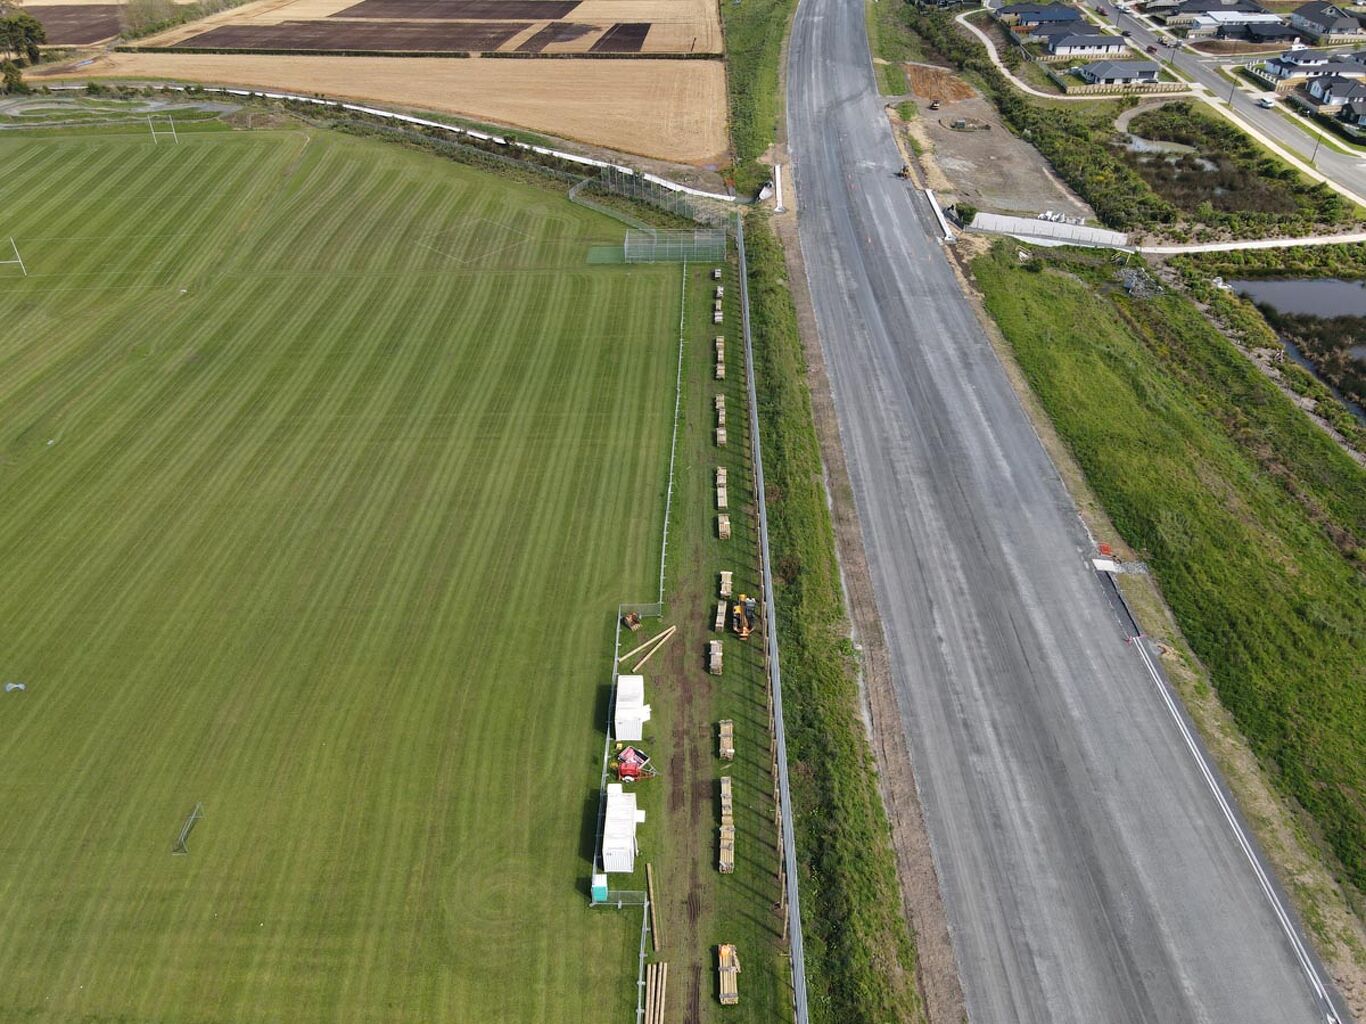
(181,847)
(18,260)
(158,132)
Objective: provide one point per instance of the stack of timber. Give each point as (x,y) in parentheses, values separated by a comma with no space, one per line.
(656,985)
(714,657)
(720,624)
(726,846)
(728,966)
(716,274)
(726,743)
(725,857)
(721,421)
(720,292)
(721,501)
(720,358)
(723,527)
(725,583)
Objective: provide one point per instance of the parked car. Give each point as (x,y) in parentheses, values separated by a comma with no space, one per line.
(934,104)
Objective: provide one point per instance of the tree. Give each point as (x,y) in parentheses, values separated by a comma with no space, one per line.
(11,78)
(21,34)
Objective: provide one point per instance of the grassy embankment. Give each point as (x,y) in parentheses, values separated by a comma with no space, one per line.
(860,956)
(859,953)
(1250,517)
(755,31)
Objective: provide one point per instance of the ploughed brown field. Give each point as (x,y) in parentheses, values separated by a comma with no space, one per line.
(77,24)
(456,26)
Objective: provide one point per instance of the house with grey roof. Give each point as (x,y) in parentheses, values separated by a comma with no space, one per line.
(1327,23)
(1331,94)
(1085,44)
(1119,72)
(1029,15)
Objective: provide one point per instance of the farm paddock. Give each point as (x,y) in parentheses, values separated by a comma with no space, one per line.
(459,26)
(672,110)
(77,24)
(315,512)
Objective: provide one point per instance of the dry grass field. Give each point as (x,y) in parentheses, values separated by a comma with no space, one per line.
(668,109)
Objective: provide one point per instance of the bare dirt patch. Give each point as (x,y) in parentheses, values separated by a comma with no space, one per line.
(933,83)
(991,169)
(671,110)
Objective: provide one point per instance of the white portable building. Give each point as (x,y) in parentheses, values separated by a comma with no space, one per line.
(619,830)
(631,711)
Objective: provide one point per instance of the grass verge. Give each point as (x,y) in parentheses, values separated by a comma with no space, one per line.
(860,956)
(755,31)
(1251,518)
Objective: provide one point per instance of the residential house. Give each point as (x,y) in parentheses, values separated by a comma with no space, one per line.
(1119,72)
(1029,15)
(1184,13)
(1043,33)
(1332,94)
(1207,26)
(1261,35)
(1353,117)
(1089,44)
(1301,65)
(1327,23)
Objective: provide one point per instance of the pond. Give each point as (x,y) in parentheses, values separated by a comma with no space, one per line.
(1138,144)
(1328,308)
(1327,296)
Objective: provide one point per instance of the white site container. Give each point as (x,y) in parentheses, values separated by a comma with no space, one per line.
(631,711)
(619,830)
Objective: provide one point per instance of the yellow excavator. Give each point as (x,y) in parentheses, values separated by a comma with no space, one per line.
(742,616)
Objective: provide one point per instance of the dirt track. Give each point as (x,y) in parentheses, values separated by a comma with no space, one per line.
(670,110)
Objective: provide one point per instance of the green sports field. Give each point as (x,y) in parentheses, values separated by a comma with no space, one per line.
(322,466)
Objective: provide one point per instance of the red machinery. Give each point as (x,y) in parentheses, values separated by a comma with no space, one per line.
(632,764)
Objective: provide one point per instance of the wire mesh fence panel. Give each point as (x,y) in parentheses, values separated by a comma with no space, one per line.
(659,246)
(636,186)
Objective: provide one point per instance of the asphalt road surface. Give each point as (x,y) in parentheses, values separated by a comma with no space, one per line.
(1089,869)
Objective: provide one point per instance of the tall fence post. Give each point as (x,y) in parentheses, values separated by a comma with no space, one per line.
(793,915)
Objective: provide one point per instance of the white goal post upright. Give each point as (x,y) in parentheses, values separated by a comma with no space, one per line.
(17,258)
(151,126)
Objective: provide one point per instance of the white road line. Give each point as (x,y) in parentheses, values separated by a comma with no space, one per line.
(1287,926)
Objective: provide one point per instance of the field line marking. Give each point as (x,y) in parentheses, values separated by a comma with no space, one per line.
(17,258)
(673,444)
(1244,843)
